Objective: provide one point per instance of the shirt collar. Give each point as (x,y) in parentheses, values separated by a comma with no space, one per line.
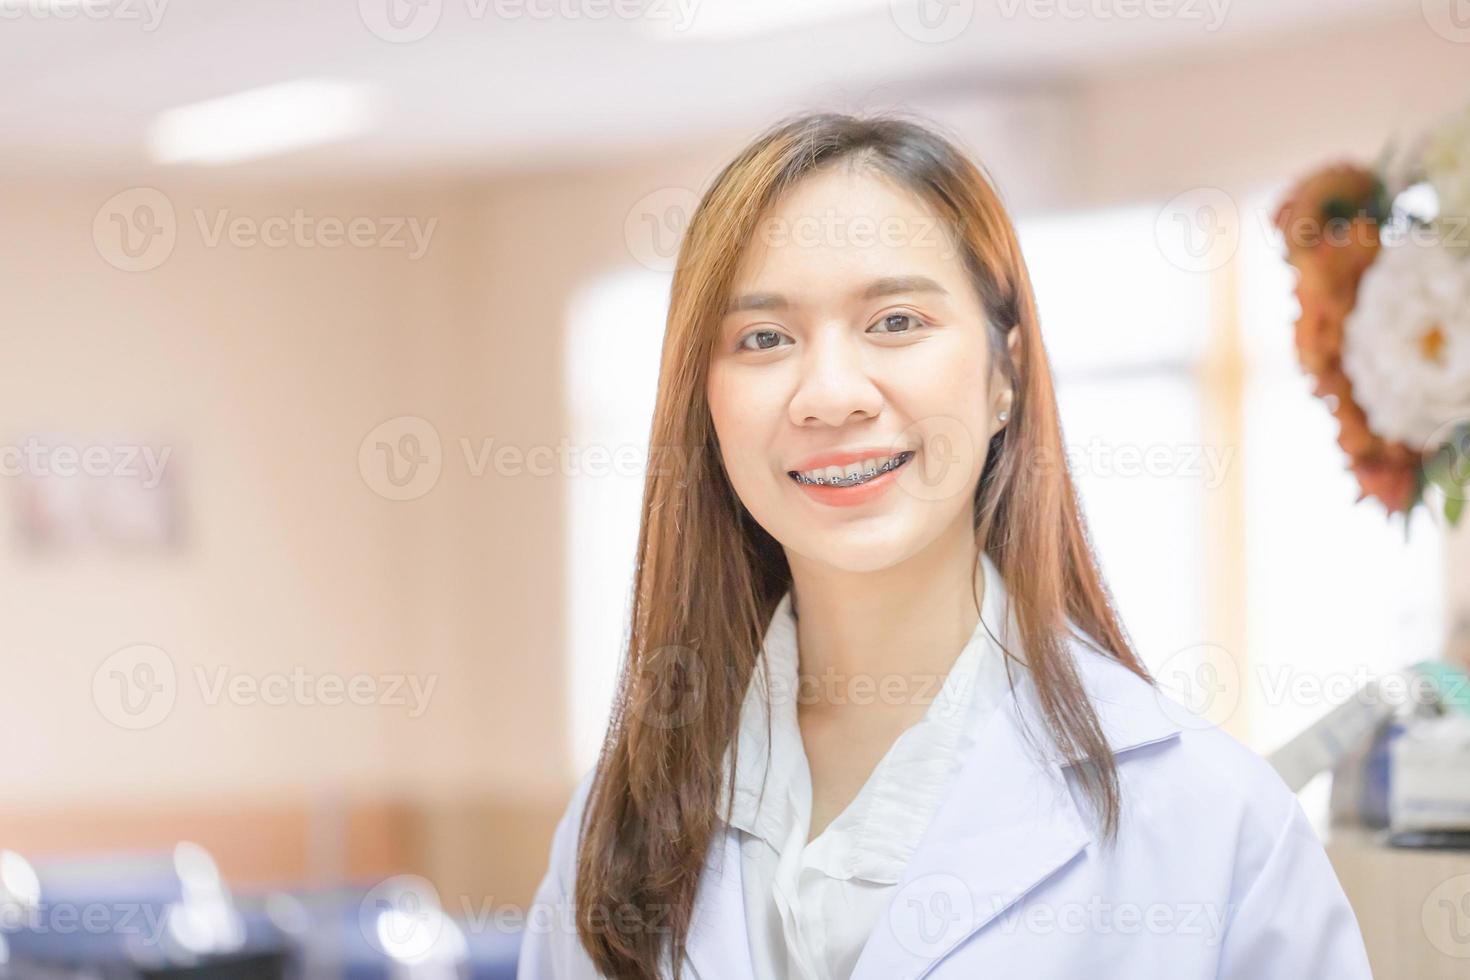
(762,803)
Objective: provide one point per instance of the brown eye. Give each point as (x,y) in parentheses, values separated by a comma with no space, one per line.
(896,323)
(764,339)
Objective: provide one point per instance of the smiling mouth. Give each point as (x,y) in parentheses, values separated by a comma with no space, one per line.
(854,479)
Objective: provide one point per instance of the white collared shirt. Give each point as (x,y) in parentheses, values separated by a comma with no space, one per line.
(810,905)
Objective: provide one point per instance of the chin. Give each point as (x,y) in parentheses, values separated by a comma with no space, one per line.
(859,548)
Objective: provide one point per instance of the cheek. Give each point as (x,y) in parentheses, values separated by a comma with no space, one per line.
(946,413)
(951,383)
(724,400)
(744,441)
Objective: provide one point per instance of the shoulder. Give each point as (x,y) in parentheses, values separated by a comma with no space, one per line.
(568,829)
(550,946)
(1171,757)
(1208,815)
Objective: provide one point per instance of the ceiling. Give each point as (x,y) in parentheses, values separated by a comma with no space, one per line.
(484,86)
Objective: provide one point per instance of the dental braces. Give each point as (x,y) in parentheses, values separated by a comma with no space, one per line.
(847,481)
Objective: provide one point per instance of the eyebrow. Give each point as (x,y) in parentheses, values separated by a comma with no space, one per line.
(887,286)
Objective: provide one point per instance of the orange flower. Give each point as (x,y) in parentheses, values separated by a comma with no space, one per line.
(1333,214)
(1319,328)
(1392,478)
(1330,223)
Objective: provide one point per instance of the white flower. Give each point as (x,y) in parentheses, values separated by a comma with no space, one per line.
(1446,161)
(1402,164)
(1406,343)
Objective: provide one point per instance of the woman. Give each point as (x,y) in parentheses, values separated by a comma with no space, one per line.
(825,759)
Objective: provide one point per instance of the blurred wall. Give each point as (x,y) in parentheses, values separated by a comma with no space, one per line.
(266,368)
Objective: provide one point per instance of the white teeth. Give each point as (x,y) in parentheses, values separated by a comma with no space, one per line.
(827,474)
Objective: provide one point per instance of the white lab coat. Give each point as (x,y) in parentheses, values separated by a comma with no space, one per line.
(1215,872)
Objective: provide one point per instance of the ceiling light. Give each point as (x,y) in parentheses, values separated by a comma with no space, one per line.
(731,19)
(261,122)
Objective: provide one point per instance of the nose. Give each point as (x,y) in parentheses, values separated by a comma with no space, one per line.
(835,383)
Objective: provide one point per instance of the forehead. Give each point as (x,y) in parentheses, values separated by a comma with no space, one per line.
(841,223)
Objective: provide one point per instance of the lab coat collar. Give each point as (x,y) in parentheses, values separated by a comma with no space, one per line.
(1009,822)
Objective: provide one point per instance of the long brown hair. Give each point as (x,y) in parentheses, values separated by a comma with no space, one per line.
(708,577)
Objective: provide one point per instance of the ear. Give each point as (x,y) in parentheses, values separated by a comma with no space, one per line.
(1001,401)
(1002,395)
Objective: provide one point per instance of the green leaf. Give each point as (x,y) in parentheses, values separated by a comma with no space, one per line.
(1439,469)
(1339,209)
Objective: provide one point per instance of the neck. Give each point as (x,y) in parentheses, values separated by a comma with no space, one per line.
(908,621)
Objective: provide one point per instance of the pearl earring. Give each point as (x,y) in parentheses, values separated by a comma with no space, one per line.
(1003,415)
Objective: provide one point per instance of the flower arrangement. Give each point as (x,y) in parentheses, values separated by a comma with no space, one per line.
(1383,281)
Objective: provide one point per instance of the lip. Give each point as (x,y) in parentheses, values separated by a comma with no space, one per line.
(843,457)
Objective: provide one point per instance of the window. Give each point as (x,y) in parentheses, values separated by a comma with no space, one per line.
(614,338)
(1126,332)
(1217,500)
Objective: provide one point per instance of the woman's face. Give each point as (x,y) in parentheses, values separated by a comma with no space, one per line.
(854,334)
